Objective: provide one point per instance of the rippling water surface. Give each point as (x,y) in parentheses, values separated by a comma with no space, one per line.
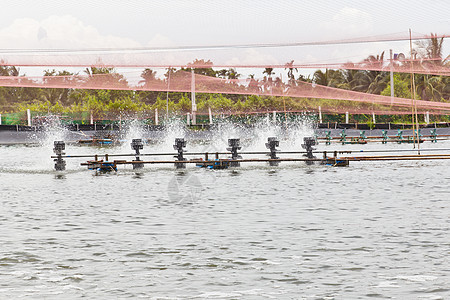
(373,229)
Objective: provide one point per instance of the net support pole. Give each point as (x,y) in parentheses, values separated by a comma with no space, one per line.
(415,120)
(167,95)
(210,115)
(320,114)
(392,77)
(194,105)
(28,117)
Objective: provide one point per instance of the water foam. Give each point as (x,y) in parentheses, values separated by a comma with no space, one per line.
(253,138)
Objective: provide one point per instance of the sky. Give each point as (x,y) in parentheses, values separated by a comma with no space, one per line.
(122,24)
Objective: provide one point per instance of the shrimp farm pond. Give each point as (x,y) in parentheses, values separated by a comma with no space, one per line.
(272,211)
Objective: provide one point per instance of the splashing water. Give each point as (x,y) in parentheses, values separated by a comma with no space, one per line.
(253,138)
(134,129)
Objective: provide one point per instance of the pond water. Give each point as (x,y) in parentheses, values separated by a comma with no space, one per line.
(372,229)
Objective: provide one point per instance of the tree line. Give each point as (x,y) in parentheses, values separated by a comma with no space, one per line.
(63,100)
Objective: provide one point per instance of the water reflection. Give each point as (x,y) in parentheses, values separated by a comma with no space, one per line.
(138,175)
(60,176)
(309,171)
(235,173)
(181,172)
(184,187)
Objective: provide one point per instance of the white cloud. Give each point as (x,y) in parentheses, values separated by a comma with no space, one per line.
(349,22)
(58,32)
(160,41)
(252,57)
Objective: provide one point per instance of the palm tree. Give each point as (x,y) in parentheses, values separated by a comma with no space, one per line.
(232,74)
(349,77)
(9,71)
(434,49)
(268,80)
(373,82)
(253,85)
(148,75)
(430,87)
(430,50)
(269,72)
(331,78)
(302,77)
(375,61)
(222,73)
(55,95)
(320,77)
(290,73)
(101,70)
(108,79)
(201,67)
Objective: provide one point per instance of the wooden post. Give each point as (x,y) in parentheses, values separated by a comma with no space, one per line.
(346,117)
(320,114)
(156,117)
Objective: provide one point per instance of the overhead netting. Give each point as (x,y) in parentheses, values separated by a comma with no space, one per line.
(230,56)
(301,55)
(183,81)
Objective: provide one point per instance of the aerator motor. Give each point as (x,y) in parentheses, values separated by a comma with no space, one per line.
(136,145)
(60,164)
(180,143)
(272,144)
